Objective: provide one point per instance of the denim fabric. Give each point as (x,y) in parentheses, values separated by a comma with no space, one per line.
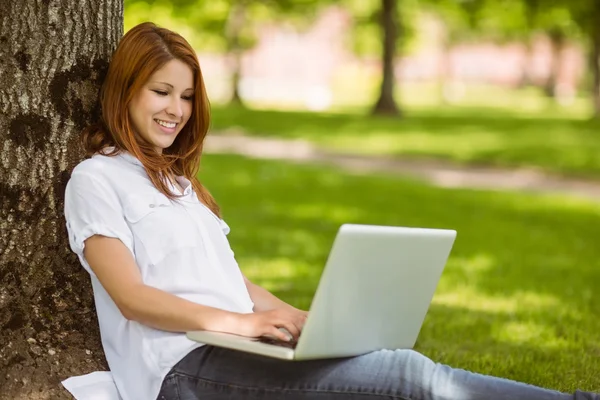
(210,373)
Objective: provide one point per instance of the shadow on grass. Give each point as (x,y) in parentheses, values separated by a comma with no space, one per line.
(516,298)
(467,135)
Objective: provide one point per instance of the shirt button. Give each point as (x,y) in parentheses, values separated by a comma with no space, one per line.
(152,205)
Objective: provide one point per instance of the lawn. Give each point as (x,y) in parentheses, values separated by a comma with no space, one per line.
(492,127)
(517,298)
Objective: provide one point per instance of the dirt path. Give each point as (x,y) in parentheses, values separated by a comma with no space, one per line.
(438,173)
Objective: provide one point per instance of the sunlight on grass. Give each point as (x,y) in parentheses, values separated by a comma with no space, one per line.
(472,266)
(516,299)
(314,211)
(468,298)
(460,146)
(286,271)
(529,332)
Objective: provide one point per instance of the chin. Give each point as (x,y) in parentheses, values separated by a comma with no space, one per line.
(163,145)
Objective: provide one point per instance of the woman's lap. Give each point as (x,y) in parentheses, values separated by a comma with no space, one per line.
(214,373)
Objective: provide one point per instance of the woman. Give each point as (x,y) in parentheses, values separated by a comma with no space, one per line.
(152,239)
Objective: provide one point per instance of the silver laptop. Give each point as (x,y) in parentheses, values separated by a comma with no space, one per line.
(373,294)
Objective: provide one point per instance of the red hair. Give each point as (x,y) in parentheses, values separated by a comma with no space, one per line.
(143,50)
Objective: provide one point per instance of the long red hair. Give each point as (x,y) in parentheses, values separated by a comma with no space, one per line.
(141,52)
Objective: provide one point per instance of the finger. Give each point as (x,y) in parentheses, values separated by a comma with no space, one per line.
(275,332)
(291,328)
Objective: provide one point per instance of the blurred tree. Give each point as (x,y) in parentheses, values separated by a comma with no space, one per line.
(512,20)
(586,14)
(389,27)
(228,26)
(382,29)
(553,19)
(458,25)
(234,28)
(595,58)
(559,20)
(231,26)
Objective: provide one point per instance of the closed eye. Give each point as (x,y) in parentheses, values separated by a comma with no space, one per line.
(162,93)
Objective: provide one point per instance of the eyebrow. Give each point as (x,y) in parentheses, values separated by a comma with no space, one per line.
(171,86)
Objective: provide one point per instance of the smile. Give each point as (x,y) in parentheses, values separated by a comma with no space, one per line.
(166,124)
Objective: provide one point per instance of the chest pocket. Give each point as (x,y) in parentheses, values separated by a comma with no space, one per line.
(160,225)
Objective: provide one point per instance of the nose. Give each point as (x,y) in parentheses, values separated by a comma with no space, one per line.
(175,108)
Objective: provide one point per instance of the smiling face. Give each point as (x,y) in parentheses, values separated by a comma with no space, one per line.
(163,106)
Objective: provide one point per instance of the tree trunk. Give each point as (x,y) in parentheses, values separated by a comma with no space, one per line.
(596,80)
(53,56)
(532,12)
(557,40)
(235,24)
(386,104)
(448,92)
(526,76)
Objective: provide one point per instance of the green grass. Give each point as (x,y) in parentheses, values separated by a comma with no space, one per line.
(520,129)
(517,298)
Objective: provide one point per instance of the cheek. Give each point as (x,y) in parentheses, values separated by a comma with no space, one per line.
(187,110)
(134,117)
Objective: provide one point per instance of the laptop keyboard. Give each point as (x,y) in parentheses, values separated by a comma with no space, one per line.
(276,342)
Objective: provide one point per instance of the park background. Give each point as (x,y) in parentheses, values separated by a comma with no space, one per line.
(474,115)
(466,108)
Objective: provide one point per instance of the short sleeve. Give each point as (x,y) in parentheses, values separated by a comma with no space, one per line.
(224,226)
(92,207)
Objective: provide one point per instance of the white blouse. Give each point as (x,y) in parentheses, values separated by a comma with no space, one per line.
(179,246)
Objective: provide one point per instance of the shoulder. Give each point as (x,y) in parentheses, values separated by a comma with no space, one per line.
(98,165)
(100,173)
(106,169)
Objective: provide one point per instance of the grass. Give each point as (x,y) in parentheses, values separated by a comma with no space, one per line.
(489,127)
(517,298)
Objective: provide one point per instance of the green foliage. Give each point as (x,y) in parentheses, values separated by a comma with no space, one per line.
(207,24)
(503,20)
(517,298)
(366,29)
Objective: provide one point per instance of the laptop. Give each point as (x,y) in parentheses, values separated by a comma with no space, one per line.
(373,294)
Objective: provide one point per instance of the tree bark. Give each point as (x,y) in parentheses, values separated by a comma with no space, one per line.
(53,57)
(389,21)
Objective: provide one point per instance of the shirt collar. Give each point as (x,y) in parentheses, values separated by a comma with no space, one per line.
(185,184)
(130,158)
(126,156)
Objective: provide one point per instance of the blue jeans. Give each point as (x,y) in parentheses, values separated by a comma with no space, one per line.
(213,373)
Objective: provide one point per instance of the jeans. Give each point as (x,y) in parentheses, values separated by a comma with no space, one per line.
(214,373)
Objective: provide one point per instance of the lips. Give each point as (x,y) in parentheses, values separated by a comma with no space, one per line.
(166,124)
(166,127)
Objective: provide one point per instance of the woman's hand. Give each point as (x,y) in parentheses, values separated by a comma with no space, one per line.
(267,323)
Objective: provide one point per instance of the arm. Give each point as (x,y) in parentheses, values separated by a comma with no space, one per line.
(114,266)
(116,270)
(263,300)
